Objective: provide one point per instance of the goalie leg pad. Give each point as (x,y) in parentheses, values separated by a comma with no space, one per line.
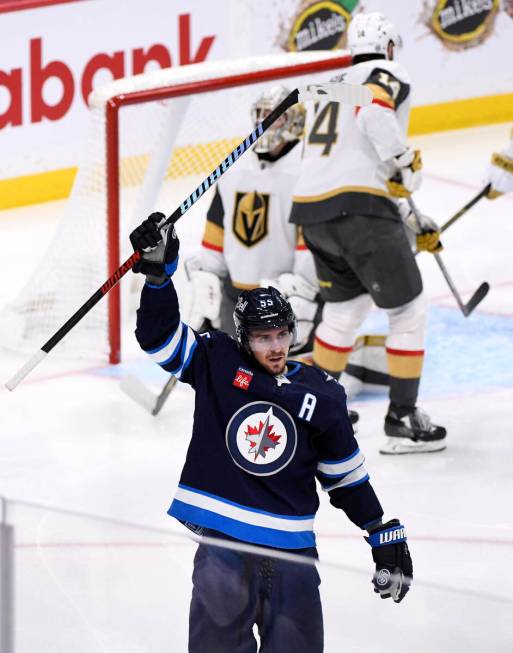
(206,298)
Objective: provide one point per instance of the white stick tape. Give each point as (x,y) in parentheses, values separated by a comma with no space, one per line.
(25,370)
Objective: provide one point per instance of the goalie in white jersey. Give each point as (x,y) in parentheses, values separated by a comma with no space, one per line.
(248,241)
(356,163)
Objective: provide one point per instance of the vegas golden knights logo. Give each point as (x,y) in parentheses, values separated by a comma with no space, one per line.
(251,217)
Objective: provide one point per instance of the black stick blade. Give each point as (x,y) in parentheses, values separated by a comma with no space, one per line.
(476,298)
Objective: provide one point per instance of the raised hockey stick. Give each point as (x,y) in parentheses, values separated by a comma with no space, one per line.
(141,394)
(351,94)
(478,295)
(465,208)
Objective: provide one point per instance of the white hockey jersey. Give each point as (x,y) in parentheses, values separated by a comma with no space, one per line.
(247,232)
(348,152)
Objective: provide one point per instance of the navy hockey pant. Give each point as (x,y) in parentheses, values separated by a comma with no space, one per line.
(233,590)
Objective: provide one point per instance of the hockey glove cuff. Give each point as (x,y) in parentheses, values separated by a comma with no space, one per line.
(394,568)
(159,245)
(427,235)
(408,175)
(429,241)
(499,174)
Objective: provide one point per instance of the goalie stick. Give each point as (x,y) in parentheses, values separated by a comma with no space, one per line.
(141,394)
(136,389)
(351,94)
(478,295)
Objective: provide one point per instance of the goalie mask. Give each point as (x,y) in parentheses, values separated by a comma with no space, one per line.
(262,308)
(370,33)
(288,127)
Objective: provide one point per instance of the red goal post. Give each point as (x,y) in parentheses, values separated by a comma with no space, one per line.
(101,180)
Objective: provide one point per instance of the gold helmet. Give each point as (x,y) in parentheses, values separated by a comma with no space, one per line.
(288,127)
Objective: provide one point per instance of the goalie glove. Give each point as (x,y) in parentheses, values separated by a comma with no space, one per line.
(159,246)
(301,295)
(394,568)
(408,175)
(427,235)
(205,295)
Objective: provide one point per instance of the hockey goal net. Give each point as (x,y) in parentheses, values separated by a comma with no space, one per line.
(151,139)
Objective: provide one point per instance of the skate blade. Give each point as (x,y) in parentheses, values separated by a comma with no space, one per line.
(399,446)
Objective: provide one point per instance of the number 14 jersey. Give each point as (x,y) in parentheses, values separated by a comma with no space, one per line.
(348,151)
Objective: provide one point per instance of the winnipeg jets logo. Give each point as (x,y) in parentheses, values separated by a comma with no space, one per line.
(261,438)
(241,305)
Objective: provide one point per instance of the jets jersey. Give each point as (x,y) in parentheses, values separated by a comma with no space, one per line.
(247,233)
(258,441)
(348,151)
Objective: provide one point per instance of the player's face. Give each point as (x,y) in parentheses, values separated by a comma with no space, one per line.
(270,347)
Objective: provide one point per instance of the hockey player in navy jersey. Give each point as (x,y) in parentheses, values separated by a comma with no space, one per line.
(264,429)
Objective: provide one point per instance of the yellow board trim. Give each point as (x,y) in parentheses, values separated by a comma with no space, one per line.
(461,114)
(36,188)
(426,119)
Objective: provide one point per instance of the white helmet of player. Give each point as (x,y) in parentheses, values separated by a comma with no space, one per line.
(370,33)
(288,127)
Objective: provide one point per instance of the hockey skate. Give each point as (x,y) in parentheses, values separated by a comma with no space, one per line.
(412,432)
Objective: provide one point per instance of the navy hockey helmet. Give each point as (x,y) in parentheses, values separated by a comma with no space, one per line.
(262,308)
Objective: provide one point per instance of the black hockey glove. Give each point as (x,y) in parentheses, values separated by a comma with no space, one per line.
(159,246)
(394,569)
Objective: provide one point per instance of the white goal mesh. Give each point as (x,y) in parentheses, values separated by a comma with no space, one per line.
(159,139)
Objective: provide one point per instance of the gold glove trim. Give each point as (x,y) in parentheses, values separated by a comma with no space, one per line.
(429,242)
(502,161)
(493,194)
(397,189)
(416,164)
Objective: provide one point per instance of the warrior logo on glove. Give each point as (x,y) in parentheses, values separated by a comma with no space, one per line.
(394,568)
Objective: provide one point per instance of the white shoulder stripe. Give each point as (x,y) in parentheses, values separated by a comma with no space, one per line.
(191,341)
(169,350)
(359,474)
(334,468)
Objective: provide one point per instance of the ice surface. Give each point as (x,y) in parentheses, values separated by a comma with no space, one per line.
(69,438)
